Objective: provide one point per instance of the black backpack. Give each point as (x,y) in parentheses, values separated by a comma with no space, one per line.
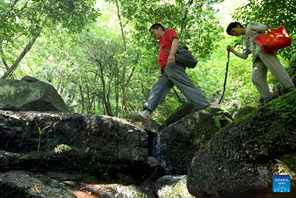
(184,57)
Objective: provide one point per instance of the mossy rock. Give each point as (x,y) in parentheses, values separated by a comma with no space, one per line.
(243,112)
(242,157)
(177,143)
(71,141)
(30,94)
(182,111)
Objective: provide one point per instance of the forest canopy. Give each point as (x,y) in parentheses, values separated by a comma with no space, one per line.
(100,56)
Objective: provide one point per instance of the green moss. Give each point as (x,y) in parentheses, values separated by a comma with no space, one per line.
(217,122)
(290,159)
(62,148)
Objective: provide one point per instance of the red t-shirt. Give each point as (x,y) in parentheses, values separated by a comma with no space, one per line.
(166,42)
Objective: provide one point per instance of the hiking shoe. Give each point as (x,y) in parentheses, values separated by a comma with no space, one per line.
(146,113)
(289,89)
(263,101)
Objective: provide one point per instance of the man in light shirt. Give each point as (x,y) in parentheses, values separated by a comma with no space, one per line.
(261,62)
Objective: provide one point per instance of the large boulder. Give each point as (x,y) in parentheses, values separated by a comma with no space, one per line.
(72,141)
(176,144)
(242,158)
(29,94)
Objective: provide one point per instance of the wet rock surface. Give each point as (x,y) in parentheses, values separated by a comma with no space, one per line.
(110,149)
(23,184)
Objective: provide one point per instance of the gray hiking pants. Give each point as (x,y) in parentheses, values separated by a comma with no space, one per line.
(272,63)
(171,76)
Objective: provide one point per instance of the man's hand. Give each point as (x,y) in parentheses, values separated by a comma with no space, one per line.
(250,32)
(229,48)
(171,60)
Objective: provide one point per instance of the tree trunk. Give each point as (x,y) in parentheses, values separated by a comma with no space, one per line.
(106,104)
(3,60)
(11,8)
(183,23)
(88,98)
(82,98)
(91,102)
(24,52)
(125,109)
(18,60)
(116,90)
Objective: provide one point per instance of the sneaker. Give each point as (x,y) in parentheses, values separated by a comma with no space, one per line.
(263,101)
(289,89)
(146,113)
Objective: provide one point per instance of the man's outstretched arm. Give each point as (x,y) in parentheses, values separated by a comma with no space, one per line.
(174,48)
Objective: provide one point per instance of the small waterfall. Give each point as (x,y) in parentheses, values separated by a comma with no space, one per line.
(158,153)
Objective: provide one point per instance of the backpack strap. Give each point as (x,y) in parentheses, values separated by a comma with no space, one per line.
(168,51)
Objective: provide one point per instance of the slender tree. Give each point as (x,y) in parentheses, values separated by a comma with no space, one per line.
(24,20)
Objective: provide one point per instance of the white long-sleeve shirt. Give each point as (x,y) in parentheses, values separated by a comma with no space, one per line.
(249,45)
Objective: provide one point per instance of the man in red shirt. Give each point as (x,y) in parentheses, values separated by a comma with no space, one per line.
(171,73)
